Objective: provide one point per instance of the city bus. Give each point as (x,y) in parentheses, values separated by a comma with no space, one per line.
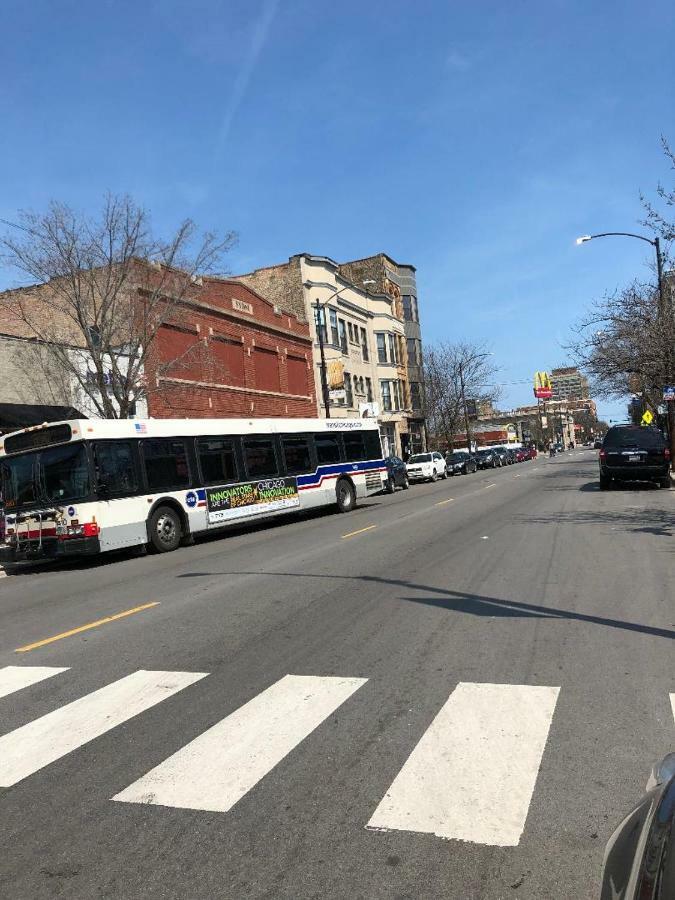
(90,486)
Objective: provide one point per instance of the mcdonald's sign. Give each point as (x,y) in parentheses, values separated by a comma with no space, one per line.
(542,386)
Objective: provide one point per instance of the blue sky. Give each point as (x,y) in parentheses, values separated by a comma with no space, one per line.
(474,140)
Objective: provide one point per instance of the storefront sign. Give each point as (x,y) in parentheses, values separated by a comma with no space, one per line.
(336,374)
(542,386)
(236,501)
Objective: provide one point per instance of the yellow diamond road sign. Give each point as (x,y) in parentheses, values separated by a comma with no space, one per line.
(647,418)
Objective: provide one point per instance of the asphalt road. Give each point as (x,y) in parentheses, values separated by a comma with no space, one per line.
(481,678)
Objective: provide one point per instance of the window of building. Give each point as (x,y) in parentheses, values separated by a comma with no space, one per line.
(369,390)
(410,308)
(228,357)
(393,349)
(364,345)
(349,397)
(415,395)
(354,446)
(334,335)
(385,391)
(411,345)
(327,449)
(320,321)
(296,369)
(396,394)
(266,363)
(217,460)
(350,329)
(296,455)
(260,457)
(343,335)
(381,347)
(166,464)
(115,469)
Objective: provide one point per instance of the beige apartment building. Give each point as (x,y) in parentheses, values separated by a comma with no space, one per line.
(363,335)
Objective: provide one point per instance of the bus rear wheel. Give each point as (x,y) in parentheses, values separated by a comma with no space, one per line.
(345,495)
(164,530)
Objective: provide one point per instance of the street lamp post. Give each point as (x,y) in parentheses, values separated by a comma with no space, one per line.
(664,313)
(324,379)
(466,411)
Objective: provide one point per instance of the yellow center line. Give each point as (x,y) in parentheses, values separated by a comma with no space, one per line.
(441,502)
(360,531)
(65,634)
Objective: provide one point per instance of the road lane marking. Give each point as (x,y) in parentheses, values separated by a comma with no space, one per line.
(360,531)
(81,628)
(43,741)
(492,484)
(15,678)
(442,502)
(472,775)
(518,475)
(672,703)
(220,766)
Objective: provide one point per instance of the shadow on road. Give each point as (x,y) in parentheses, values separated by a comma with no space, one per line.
(466,603)
(643,520)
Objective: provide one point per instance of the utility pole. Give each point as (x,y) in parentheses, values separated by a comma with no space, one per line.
(466,412)
(324,378)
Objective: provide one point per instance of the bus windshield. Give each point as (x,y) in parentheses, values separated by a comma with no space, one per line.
(57,475)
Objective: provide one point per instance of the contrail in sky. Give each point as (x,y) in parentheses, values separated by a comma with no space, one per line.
(243,78)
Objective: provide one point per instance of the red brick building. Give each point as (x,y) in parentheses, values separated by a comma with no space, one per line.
(229,352)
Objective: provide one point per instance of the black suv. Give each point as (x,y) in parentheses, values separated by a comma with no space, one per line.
(634,452)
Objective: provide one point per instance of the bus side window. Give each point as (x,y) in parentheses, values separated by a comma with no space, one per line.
(260,457)
(297,455)
(327,449)
(373,444)
(354,446)
(166,464)
(115,467)
(217,460)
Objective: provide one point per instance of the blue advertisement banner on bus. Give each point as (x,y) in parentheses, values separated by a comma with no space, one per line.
(250,498)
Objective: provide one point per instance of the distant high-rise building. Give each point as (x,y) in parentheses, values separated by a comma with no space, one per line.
(569,384)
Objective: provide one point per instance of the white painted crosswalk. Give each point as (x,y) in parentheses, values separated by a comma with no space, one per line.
(15,678)
(35,745)
(225,762)
(471,775)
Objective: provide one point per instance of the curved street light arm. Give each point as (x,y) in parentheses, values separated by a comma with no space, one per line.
(640,237)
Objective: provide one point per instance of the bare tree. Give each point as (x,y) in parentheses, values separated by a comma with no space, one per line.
(625,345)
(101,290)
(454,373)
(659,221)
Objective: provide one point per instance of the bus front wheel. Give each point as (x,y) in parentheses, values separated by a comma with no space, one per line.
(345,495)
(164,529)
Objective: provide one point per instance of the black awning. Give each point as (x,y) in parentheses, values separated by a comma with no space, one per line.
(20,415)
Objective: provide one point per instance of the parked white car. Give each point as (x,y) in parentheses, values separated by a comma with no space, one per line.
(426,467)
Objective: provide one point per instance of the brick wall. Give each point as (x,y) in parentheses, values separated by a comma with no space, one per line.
(228,353)
(281,284)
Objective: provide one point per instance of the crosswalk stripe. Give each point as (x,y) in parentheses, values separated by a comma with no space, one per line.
(220,766)
(672,703)
(35,745)
(472,775)
(15,678)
